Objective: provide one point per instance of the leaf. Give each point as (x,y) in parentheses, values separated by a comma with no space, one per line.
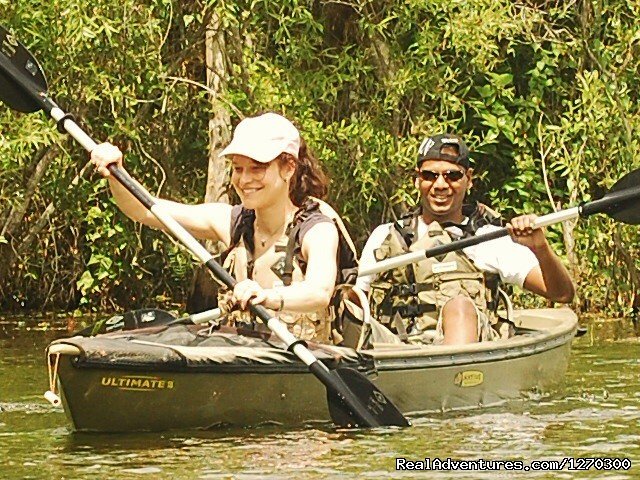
(187,19)
(85,282)
(501,80)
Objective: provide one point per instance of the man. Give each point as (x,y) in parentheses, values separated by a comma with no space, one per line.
(455,294)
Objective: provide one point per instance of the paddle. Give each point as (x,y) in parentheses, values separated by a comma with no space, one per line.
(145,318)
(621,203)
(353,399)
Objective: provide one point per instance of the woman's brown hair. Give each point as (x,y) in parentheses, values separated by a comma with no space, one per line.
(309,180)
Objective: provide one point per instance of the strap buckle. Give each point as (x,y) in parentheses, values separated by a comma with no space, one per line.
(405,290)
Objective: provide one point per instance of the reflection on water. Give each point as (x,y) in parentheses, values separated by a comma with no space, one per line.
(597,414)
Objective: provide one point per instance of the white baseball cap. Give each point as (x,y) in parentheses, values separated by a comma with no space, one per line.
(264,137)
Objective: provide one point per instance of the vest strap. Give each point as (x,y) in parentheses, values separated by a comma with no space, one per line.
(409,311)
(400,327)
(409,289)
(287,270)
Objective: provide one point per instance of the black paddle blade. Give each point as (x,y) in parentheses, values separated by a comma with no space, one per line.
(628,212)
(143,318)
(620,203)
(631,179)
(15,57)
(380,407)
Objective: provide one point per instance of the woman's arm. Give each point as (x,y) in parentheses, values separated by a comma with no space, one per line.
(205,221)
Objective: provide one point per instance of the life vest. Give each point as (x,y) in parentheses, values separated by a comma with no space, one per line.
(283,264)
(409,299)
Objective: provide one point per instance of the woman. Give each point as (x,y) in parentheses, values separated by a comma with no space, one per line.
(287,249)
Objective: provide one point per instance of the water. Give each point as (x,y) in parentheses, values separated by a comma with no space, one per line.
(596,414)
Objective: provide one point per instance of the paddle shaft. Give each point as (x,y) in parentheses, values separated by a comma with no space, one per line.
(611,200)
(196,318)
(203,317)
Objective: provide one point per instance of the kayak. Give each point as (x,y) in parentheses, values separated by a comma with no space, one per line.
(193,377)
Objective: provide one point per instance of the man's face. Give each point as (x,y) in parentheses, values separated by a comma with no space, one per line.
(442,187)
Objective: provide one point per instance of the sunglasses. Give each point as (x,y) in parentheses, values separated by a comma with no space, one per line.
(449,175)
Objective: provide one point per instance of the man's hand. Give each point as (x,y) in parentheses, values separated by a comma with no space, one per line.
(522,231)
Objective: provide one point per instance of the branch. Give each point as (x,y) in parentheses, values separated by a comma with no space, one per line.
(543,156)
(16,215)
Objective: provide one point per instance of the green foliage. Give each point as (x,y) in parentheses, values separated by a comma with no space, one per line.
(106,64)
(545,93)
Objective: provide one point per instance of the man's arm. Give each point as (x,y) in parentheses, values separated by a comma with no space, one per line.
(550,278)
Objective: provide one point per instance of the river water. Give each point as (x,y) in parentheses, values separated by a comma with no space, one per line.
(595,414)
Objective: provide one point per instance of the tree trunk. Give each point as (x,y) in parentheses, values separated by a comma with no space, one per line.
(573,267)
(43,158)
(203,292)
(569,239)
(13,250)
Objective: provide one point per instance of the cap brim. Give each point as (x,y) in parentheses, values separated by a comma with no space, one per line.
(262,154)
(463,162)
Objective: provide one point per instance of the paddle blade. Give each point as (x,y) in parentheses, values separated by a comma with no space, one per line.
(14,57)
(143,318)
(377,404)
(621,202)
(628,212)
(631,179)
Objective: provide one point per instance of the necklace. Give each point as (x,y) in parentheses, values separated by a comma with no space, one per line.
(263,240)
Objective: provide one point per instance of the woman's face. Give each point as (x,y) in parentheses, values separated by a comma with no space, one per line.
(258,184)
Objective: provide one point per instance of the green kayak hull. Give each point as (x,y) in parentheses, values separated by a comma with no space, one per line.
(418,379)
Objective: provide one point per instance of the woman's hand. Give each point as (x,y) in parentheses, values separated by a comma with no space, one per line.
(522,231)
(248,290)
(104,155)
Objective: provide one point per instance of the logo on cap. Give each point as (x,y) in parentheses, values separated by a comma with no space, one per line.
(426,145)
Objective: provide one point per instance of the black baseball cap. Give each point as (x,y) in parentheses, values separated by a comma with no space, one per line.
(431,149)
